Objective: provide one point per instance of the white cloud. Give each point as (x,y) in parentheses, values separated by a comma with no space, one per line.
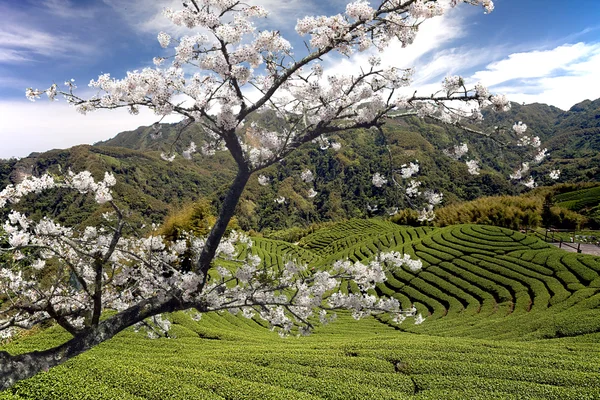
(26,127)
(10,56)
(20,43)
(561,76)
(534,64)
(147,17)
(431,55)
(66,9)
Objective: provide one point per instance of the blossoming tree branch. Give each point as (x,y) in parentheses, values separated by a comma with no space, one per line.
(103,279)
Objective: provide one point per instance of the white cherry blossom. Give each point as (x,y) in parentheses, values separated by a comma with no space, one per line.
(473,167)
(206,78)
(554,174)
(378,180)
(263,180)
(307,176)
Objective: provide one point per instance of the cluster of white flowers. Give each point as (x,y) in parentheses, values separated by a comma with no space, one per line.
(187,153)
(168,157)
(453,84)
(359,10)
(307,176)
(488,5)
(263,180)
(457,151)
(325,31)
(397,260)
(500,102)
(31,184)
(419,319)
(433,198)
(554,174)
(473,167)
(530,183)
(262,145)
(409,170)
(378,180)
(520,172)
(412,190)
(164,39)
(426,214)
(83,182)
(425,9)
(311,193)
(519,128)
(482,91)
(540,155)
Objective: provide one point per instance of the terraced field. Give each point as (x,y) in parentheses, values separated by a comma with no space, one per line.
(579,199)
(508,317)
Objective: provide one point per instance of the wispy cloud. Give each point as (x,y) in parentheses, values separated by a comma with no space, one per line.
(24,38)
(535,64)
(68,10)
(10,56)
(147,17)
(432,55)
(20,43)
(26,127)
(561,76)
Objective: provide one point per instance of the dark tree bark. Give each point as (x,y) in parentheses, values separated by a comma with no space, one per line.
(23,366)
(225,215)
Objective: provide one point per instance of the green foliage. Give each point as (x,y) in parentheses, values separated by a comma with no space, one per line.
(489,295)
(512,212)
(196,218)
(507,211)
(147,185)
(343,179)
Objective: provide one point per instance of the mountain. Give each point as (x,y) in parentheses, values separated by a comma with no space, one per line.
(572,137)
(150,186)
(153,187)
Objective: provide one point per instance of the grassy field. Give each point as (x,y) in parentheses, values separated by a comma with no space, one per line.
(508,317)
(580,199)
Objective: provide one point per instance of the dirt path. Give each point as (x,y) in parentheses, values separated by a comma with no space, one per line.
(585,248)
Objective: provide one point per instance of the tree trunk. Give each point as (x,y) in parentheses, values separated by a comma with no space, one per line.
(225,214)
(23,366)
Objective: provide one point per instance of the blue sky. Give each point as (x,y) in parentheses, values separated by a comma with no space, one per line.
(544,51)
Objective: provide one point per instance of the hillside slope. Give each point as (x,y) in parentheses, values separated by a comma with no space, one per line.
(343,178)
(477,280)
(507,317)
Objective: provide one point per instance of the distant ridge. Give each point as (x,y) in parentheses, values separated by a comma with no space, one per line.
(343,178)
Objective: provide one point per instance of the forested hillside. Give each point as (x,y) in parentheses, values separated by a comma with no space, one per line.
(342,178)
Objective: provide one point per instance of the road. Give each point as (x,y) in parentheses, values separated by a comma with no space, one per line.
(585,248)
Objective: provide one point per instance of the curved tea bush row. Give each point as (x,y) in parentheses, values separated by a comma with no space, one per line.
(478,282)
(376,235)
(469,270)
(284,250)
(345,360)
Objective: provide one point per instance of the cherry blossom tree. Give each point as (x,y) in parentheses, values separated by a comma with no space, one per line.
(219,78)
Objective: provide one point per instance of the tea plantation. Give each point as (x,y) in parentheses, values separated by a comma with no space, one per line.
(507,317)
